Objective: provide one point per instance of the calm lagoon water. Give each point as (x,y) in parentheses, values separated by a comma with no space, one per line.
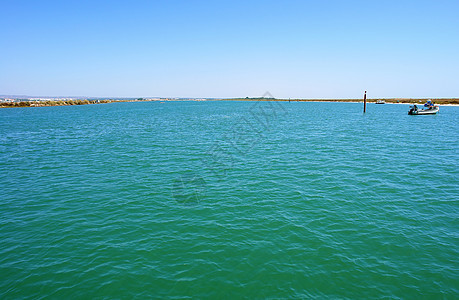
(228,200)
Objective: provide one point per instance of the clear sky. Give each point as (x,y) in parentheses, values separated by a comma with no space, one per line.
(170,48)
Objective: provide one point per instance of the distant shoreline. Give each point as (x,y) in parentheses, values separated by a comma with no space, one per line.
(439,101)
(41,103)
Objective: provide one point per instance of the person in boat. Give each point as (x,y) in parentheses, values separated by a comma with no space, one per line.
(415,107)
(429,104)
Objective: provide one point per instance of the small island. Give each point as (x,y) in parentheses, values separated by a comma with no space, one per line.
(43,102)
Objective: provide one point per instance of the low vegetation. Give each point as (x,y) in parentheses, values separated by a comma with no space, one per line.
(27,103)
(388,100)
(51,103)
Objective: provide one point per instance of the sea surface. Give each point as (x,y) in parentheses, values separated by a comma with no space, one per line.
(222,199)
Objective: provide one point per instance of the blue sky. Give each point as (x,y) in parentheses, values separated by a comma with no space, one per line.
(297,49)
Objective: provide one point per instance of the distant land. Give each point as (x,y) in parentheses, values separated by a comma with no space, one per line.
(31,101)
(369,100)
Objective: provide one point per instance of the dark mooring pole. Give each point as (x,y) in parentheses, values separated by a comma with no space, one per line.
(365,102)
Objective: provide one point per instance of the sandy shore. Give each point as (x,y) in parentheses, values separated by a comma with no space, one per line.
(440,102)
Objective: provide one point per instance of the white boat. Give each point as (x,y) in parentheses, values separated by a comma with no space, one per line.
(380,102)
(432,110)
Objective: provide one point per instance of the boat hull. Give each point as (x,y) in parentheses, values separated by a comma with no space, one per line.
(432,111)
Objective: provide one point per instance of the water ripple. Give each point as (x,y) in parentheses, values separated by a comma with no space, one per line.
(324,202)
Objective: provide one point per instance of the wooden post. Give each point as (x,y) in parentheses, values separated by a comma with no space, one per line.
(365,102)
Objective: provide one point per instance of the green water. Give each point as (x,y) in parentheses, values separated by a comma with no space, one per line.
(228,200)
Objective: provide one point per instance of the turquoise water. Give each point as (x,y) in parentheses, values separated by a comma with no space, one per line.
(228,200)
